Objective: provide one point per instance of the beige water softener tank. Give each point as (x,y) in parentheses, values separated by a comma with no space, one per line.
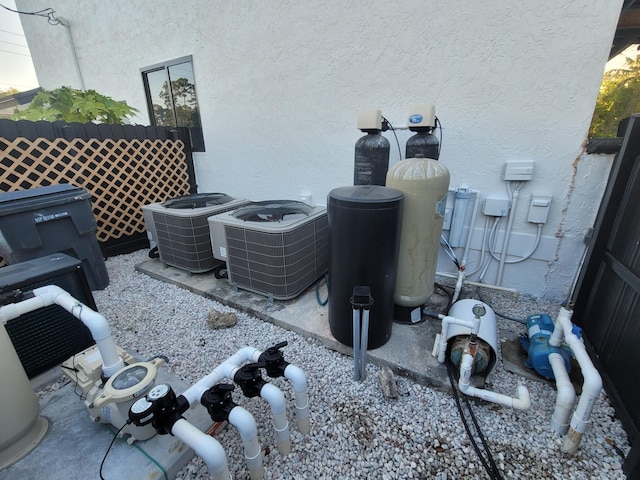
(22,427)
(424,183)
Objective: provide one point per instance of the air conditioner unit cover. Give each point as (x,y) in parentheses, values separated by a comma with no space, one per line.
(276,248)
(180,230)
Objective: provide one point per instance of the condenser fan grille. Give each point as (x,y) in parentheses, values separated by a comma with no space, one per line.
(273,211)
(197,200)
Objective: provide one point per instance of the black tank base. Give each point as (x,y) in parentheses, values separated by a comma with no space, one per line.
(408,315)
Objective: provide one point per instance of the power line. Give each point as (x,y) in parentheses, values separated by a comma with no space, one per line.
(48,13)
(16,44)
(12,33)
(15,53)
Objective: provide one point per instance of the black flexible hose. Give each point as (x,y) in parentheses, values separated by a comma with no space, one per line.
(490,465)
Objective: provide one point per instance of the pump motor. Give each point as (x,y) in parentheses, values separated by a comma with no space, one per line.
(536,343)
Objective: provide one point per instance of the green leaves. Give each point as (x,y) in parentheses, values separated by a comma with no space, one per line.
(73,105)
(618,99)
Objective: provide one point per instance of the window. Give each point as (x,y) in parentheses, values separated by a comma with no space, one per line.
(171,97)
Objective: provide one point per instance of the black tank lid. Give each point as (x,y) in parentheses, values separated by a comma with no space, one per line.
(376,195)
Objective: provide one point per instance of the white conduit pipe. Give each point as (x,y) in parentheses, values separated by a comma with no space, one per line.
(356,344)
(275,399)
(246,425)
(521,402)
(566,398)
(507,235)
(205,446)
(474,214)
(95,322)
(299,381)
(592,381)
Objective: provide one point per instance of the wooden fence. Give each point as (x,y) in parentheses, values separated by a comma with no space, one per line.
(123,167)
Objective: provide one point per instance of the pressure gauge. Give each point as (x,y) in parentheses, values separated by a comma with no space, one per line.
(479,310)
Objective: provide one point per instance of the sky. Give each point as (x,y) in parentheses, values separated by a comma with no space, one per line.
(16,67)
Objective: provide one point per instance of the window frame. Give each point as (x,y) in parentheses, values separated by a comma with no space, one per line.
(164,66)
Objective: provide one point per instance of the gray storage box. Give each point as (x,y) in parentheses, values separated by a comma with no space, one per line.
(53,219)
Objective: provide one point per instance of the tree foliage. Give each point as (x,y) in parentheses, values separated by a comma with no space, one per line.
(5,92)
(618,99)
(73,105)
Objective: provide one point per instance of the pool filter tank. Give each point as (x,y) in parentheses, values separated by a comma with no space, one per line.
(424,183)
(371,151)
(422,120)
(22,426)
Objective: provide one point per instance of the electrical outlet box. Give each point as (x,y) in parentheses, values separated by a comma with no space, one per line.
(518,170)
(370,120)
(539,208)
(495,206)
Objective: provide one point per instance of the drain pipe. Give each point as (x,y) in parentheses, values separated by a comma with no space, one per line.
(566,397)
(592,380)
(205,446)
(218,402)
(94,321)
(252,385)
(521,402)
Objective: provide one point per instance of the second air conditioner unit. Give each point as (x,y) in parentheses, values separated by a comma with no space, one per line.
(276,248)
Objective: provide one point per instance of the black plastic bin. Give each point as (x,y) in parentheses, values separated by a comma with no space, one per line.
(54,219)
(364,240)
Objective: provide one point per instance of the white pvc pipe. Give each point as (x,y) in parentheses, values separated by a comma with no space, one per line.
(507,235)
(275,398)
(592,381)
(566,397)
(299,381)
(364,339)
(521,402)
(205,446)
(194,393)
(440,346)
(95,322)
(246,425)
(459,284)
(479,284)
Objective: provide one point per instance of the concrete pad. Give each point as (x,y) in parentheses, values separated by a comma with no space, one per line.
(408,351)
(74,445)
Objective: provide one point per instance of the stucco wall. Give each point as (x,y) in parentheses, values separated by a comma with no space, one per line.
(280,84)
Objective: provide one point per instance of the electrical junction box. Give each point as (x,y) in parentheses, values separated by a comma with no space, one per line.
(370,120)
(518,170)
(539,208)
(495,206)
(422,116)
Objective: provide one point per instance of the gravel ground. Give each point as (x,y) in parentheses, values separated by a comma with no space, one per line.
(355,432)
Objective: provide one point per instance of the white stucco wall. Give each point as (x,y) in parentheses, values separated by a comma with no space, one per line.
(280,84)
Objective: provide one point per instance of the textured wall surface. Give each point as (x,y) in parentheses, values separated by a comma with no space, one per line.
(280,85)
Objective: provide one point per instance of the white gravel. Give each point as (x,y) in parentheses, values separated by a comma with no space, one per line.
(355,432)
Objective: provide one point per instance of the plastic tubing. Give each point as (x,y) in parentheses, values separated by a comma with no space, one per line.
(205,446)
(246,425)
(275,398)
(521,402)
(566,398)
(592,381)
(95,322)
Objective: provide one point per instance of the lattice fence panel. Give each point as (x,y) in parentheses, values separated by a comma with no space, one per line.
(121,175)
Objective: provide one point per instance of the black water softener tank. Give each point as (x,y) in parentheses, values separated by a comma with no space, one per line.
(364,239)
